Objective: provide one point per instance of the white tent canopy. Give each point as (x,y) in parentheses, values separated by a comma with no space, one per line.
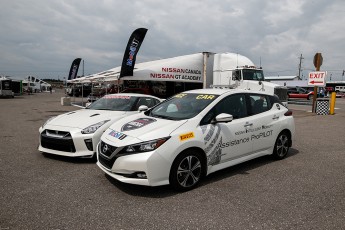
(187,68)
(182,69)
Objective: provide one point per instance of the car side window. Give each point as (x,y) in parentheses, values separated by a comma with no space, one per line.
(292,90)
(274,99)
(149,102)
(233,104)
(259,103)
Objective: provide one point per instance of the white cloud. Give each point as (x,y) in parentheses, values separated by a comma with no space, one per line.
(278,12)
(44,37)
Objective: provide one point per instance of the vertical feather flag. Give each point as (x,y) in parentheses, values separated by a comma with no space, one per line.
(74,69)
(131,52)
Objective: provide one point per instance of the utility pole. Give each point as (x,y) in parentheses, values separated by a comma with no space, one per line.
(300,67)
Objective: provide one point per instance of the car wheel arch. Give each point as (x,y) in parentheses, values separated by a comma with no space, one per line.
(275,154)
(288,132)
(188,151)
(197,150)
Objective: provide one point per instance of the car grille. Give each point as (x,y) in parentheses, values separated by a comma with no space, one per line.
(57,140)
(106,150)
(282,94)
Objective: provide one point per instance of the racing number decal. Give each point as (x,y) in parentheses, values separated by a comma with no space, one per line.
(186,136)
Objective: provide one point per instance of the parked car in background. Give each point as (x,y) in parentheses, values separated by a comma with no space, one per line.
(79,90)
(321,91)
(299,92)
(340,89)
(329,89)
(76,133)
(100,91)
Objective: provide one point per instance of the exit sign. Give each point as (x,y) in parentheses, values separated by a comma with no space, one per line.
(317,78)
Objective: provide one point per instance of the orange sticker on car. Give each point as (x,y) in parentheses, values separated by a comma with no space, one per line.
(186,136)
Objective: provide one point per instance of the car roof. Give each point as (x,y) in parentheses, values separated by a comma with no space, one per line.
(219,91)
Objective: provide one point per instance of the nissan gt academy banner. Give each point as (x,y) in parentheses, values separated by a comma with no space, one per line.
(187,68)
(131,52)
(74,69)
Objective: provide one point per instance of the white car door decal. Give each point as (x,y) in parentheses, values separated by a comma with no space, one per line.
(214,156)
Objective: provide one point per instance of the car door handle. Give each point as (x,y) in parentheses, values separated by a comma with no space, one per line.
(248,124)
(275,117)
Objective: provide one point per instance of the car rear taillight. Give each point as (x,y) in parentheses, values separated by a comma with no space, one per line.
(288,113)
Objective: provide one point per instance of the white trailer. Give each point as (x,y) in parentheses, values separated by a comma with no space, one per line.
(209,70)
(6,87)
(167,77)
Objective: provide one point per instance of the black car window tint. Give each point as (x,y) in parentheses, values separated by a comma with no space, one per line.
(233,104)
(261,104)
(143,101)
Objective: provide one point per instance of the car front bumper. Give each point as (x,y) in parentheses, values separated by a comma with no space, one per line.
(70,143)
(147,168)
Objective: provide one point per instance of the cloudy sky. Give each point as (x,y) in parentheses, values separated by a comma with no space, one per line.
(43,37)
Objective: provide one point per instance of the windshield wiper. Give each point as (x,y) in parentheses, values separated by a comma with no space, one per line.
(163,117)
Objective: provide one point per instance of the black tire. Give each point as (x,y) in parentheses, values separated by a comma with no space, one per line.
(187,170)
(310,96)
(282,145)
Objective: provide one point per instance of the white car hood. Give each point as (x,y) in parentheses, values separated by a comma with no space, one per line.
(84,117)
(140,128)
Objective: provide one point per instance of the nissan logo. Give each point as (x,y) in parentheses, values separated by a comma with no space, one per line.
(105,148)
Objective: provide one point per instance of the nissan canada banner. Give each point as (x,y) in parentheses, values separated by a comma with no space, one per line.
(131,52)
(186,68)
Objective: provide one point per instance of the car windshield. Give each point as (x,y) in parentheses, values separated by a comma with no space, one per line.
(114,103)
(182,106)
(302,90)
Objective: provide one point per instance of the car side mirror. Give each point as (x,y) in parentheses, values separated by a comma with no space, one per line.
(143,108)
(223,117)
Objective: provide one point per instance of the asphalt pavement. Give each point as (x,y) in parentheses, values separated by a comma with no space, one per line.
(306,190)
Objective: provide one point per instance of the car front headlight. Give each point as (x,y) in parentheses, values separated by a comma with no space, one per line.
(146,146)
(48,121)
(94,127)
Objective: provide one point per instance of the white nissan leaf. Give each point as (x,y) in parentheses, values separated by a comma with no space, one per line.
(77,133)
(193,134)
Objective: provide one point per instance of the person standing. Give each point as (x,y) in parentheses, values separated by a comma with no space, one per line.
(322,92)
